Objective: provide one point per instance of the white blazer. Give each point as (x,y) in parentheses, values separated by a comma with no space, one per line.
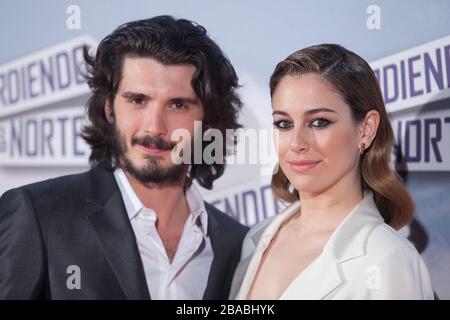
(363,259)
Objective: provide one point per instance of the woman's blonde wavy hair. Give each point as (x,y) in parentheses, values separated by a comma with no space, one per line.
(355,81)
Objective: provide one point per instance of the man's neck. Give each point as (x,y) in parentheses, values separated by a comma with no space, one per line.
(167,200)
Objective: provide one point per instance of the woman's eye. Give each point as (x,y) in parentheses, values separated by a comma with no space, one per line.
(282,124)
(320,123)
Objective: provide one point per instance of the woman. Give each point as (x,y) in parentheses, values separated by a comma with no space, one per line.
(334,142)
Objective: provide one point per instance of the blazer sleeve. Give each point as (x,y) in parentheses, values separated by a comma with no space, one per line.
(401,274)
(22,272)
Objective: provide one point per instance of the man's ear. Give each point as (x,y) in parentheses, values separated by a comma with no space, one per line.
(369,127)
(109,112)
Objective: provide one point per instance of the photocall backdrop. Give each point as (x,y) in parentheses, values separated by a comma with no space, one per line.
(43,95)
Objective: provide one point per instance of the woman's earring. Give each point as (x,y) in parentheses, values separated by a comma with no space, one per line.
(362,148)
(291,188)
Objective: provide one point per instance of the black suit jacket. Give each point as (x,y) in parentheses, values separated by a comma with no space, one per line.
(81,220)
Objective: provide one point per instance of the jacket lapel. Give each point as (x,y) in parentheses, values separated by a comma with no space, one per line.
(248,250)
(111,223)
(239,276)
(219,265)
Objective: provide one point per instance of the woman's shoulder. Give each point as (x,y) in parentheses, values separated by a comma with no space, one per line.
(390,268)
(385,241)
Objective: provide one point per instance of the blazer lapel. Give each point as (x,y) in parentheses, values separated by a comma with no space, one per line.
(238,277)
(249,248)
(219,266)
(115,232)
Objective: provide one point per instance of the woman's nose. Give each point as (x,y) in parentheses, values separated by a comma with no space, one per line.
(299,141)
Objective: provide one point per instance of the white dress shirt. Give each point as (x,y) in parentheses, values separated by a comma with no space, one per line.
(187,276)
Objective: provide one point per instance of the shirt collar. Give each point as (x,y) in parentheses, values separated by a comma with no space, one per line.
(132,203)
(198,215)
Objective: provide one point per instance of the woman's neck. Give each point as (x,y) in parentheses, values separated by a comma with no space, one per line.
(325,210)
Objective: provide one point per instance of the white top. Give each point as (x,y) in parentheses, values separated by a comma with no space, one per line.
(363,259)
(187,276)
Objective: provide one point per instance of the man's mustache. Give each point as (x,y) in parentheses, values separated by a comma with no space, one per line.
(153,142)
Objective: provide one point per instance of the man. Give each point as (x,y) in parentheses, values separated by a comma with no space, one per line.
(134,226)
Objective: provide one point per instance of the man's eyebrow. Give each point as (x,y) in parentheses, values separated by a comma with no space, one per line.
(307,112)
(181,99)
(130,94)
(186,100)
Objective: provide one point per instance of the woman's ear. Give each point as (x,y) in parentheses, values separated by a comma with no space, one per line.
(369,127)
(109,113)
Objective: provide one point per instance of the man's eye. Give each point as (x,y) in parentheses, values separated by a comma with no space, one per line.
(320,123)
(136,100)
(282,124)
(179,105)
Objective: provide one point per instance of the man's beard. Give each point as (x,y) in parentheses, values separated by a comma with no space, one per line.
(153,172)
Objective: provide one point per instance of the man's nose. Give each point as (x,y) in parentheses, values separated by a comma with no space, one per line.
(155,121)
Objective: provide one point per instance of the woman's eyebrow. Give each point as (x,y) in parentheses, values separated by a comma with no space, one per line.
(307,112)
(280,113)
(317,110)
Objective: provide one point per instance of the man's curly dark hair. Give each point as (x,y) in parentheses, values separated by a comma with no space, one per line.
(170,41)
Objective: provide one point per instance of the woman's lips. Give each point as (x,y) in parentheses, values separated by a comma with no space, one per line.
(303,165)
